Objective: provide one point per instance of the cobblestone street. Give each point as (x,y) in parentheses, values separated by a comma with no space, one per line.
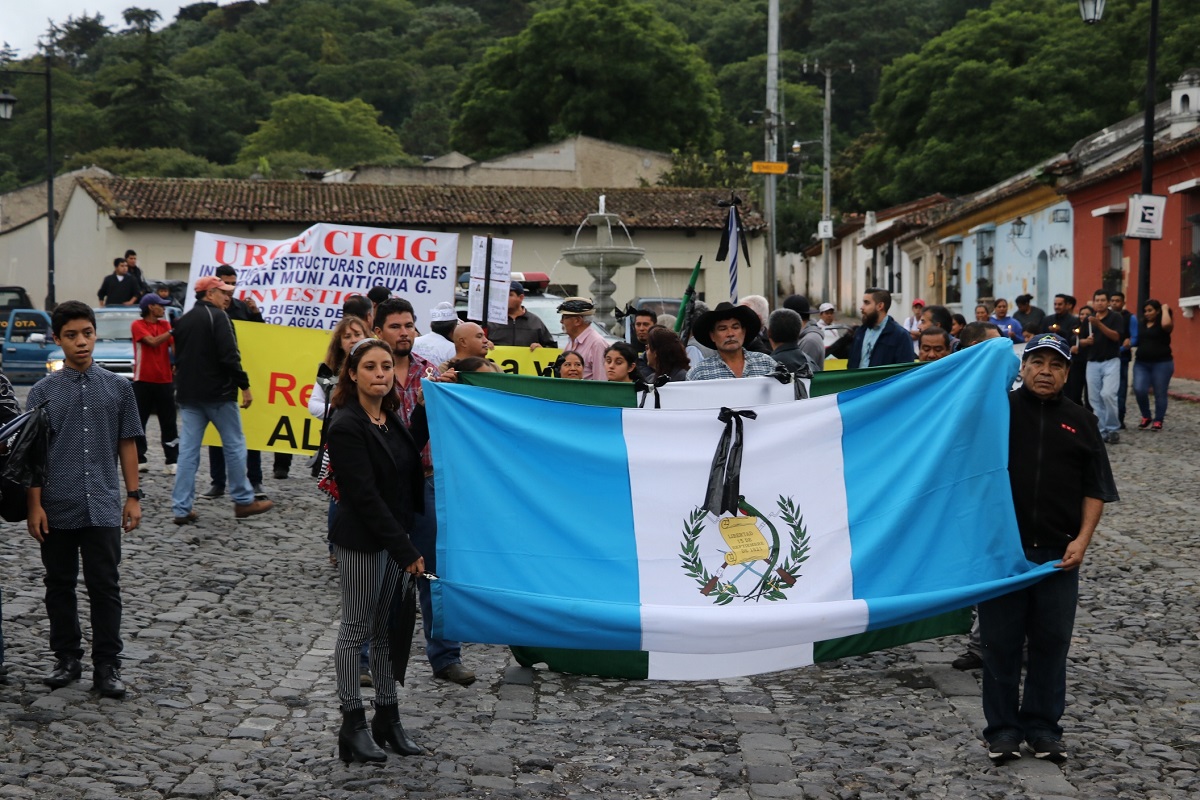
(229,629)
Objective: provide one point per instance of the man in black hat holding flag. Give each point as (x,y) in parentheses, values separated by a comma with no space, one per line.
(726,329)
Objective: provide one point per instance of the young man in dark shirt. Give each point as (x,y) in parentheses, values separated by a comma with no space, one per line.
(119,288)
(77,511)
(1104,365)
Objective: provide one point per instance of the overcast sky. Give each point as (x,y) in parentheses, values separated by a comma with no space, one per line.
(23,21)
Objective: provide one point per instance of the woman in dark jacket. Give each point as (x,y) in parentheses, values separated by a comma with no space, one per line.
(377,464)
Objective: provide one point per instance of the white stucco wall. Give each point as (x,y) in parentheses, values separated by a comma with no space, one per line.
(88,240)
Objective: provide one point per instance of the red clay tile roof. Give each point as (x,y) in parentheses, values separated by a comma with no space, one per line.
(306,202)
(1133,161)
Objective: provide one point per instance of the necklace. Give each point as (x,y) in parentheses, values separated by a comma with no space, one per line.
(380,423)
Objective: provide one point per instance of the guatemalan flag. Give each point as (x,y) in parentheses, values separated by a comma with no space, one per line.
(725,541)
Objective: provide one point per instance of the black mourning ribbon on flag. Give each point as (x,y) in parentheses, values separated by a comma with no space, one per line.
(647,389)
(733,204)
(725,475)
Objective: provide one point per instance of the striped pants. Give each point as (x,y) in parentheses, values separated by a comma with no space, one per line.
(368,583)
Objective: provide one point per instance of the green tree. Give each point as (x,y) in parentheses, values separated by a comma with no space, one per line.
(706,170)
(76,37)
(990,97)
(154,162)
(613,69)
(346,133)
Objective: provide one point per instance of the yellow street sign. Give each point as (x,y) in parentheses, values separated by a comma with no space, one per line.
(769,167)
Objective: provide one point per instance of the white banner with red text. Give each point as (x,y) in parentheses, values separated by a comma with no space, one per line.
(302,282)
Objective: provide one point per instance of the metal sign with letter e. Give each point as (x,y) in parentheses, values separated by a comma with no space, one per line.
(1146,216)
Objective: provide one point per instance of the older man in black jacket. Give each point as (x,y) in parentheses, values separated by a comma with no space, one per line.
(208,375)
(1061,479)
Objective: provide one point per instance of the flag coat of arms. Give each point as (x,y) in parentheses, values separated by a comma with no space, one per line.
(725,541)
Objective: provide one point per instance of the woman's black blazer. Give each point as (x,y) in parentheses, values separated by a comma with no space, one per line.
(378,495)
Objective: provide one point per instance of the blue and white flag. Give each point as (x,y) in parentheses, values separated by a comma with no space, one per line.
(725,541)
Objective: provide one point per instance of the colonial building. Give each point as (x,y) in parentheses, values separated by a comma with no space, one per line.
(1099,196)
(158,217)
(579,162)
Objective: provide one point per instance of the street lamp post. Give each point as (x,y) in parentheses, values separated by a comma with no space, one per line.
(1092,11)
(7,103)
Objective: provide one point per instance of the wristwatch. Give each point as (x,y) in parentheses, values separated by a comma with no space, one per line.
(136,494)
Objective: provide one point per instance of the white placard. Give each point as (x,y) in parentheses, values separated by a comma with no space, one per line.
(303,281)
(1145,219)
(500,275)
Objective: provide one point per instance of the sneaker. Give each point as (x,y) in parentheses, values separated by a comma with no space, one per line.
(169,469)
(365,680)
(1047,749)
(259,492)
(143,467)
(280,474)
(1145,423)
(1004,749)
(213,492)
(968,660)
(1157,425)
(250,509)
(189,519)
(1114,438)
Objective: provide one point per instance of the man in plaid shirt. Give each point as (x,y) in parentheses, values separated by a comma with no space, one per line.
(726,329)
(396,324)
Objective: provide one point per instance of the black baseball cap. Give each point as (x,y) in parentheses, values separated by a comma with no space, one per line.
(1048,341)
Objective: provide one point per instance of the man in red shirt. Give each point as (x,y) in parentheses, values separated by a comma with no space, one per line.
(153,378)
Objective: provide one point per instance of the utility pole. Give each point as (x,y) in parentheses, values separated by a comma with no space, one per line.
(771,146)
(826,229)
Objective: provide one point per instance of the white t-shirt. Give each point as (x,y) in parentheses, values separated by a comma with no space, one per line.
(434,347)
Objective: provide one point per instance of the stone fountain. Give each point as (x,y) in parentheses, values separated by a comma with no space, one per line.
(602,260)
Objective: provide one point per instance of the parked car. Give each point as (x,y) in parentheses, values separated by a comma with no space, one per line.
(659,305)
(114,342)
(537,301)
(545,306)
(27,343)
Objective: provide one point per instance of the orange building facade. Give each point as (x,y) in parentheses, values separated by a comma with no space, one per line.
(1104,257)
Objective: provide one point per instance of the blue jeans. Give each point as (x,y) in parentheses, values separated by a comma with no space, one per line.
(1157,374)
(1043,614)
(440,652)
(1103,382)
(228,422)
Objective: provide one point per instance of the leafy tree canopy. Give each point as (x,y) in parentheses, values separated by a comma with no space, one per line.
(613,69)
(346,133)
(1004,88)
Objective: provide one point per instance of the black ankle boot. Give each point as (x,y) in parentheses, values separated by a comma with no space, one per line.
(354,740)
(387,730)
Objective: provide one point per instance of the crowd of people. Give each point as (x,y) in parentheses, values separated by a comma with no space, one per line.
(375,460)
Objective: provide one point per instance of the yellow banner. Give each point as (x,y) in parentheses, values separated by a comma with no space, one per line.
(523,361)
(282,364)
